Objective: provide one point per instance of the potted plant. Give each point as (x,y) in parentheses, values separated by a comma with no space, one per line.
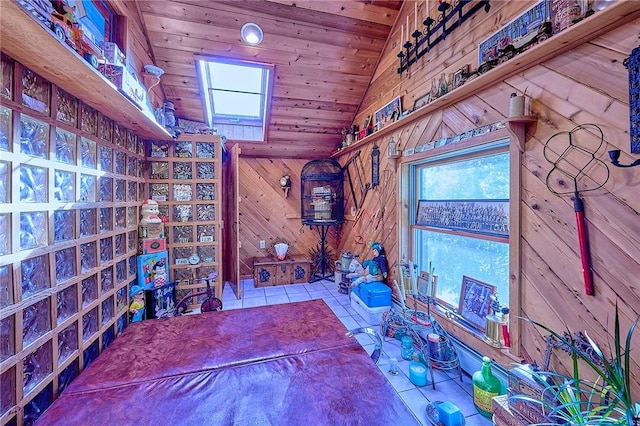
(574,400)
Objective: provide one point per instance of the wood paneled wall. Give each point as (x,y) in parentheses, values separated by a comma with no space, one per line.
(588,84)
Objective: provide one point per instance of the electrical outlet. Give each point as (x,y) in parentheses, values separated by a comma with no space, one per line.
(263,244)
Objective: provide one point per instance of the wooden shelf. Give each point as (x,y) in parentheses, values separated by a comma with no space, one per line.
(517,127)
(24,39)
(615,15)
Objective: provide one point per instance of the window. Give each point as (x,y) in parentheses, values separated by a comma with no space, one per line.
(472,184)
(236,94)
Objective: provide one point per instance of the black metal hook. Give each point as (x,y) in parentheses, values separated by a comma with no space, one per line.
(614,155)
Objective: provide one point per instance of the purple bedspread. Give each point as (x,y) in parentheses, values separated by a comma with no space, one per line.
(274,365)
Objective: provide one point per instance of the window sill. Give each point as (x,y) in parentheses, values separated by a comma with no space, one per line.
(471,338)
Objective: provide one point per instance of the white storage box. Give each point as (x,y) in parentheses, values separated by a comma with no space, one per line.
(372,315)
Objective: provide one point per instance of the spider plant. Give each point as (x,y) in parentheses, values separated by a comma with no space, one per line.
(613,372)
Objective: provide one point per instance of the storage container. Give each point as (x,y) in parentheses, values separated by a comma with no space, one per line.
(373,294)
(372,315)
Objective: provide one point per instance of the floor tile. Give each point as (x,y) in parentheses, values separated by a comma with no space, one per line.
(277,299)
(275,291)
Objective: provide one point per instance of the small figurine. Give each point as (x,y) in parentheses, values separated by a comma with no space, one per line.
(137,303)
(149,212)
(159,274)
(376,268)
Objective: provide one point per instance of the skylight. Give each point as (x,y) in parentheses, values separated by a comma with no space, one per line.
(236,94)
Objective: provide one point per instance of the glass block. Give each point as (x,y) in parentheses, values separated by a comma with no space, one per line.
(34,408)
(140,169)
(206,233)
(119,135)
(87,188)
(105,128)
(65,264)
(121,217)
(183,234)
(141,191)
(33,184)
(205,191)
(132,141)
(182,170)
(207,254)
(64,186)
(140,146)
(33,230)
(7,337)
(106,219)
(36,321)
(121,271)
(107,310)
(108,337)
(6,85)
(181,274)
(120,163)
(36,91)
(181,255)
(88,119)
(182,149)
(88,222)
(89,324)
(67,375)
(67,342)
(132,165)
(132,191)
(158,170)
(65,146)
(182,213)
(206,171)
(37,366)
(88,256)
(35,275)
(182,192)
(34,137)
(106,158)
(163,212)
(5,233)
(7,389)
(159,191)
(132,216)
(91,353)
(122,323)
(67,108)
(106,280)
(6,286)
(158,149)
(106,189)
(120,244)
(5,182)
(6,127)
(89,290)
(121,299)
(205,150)
(206,212)
(132,266)
(120,190)
(64,225)
(106,249)
(67,303)
(88,152)
(132,240)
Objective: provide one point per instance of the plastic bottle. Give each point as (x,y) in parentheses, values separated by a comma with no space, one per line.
(485,387)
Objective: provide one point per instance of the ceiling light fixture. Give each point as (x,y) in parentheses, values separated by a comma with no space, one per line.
(251,33)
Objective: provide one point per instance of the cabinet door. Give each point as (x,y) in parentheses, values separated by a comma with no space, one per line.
(264,275)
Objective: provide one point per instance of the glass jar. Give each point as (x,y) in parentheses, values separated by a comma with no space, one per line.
(407,348)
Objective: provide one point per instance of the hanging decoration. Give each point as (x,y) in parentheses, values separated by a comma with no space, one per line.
(375,166)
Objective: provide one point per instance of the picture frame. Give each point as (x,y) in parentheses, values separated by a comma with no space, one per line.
(422,101)
(424,285)
(486,217)
(459,77)
(475,301)
(388,113)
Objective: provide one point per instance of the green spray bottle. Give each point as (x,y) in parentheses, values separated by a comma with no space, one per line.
(485,387)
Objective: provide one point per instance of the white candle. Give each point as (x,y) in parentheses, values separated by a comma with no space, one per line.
(407,28)
(415,16)
(426,11)
(401,36)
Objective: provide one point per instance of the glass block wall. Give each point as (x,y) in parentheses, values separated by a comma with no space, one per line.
(70,184)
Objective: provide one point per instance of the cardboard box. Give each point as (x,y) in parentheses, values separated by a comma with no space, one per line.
(151,231)
(113,54)
(125,83)
(152,245)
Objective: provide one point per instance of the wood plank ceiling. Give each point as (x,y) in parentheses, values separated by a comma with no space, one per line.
(324,52)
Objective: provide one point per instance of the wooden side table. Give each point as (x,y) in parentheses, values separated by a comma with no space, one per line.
(269,271)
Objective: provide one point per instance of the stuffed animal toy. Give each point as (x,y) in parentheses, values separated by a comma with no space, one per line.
(375,269)
(149,213)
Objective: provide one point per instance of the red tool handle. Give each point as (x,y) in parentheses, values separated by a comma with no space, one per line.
(584,245)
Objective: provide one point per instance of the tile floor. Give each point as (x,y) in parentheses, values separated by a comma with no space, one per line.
(448,386)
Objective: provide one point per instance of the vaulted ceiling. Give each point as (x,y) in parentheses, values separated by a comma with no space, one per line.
(324,52)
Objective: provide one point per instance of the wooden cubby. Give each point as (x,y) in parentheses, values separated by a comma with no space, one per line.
(184,177)
(71,182)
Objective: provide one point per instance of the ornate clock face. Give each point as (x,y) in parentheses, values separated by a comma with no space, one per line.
(194,259)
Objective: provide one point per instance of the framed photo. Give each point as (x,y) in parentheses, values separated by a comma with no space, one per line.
(460,76)
(422,101)
(388,113)
(475,301)
(487,217)
(425,287)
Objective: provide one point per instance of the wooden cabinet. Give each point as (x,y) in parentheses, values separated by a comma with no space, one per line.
(269,271)
(185,180)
